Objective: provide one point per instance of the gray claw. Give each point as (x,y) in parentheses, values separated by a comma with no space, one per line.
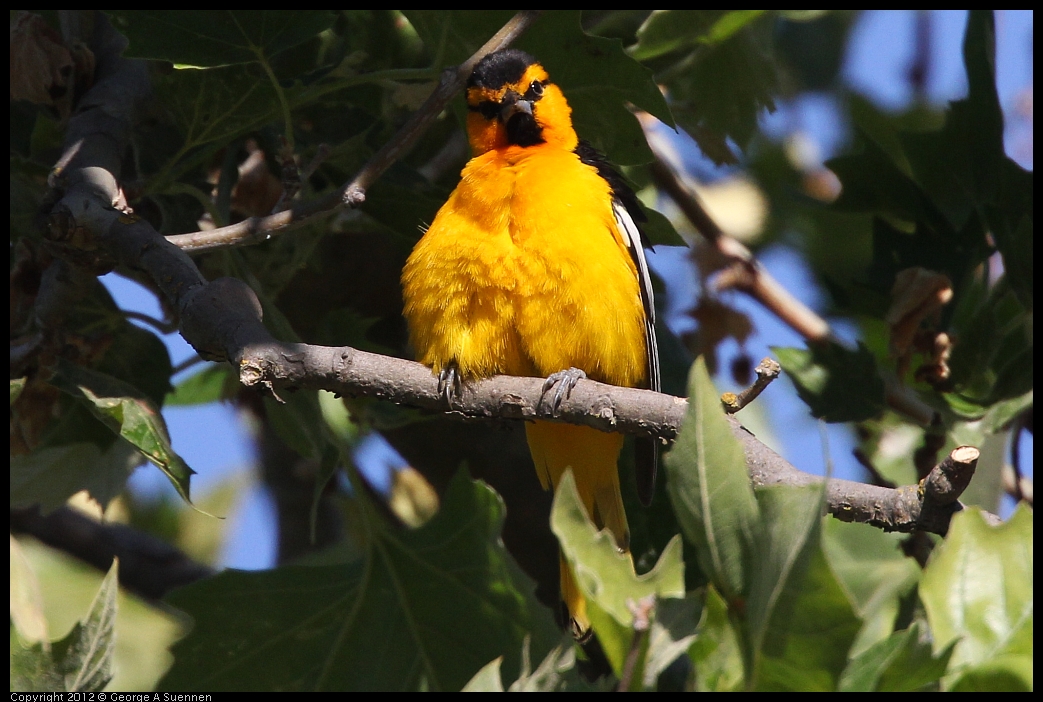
(566,380)
(449,382)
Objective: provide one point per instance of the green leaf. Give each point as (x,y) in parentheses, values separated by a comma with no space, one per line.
(902,662)
(873,183)
(209,38)
(717,652)
(49,476)
(671,634)
(1014,239)
(838,385)
(452,36)
(719,70)
(425,607)
(139,358)
(606,576)
(122,408)
(217,105)
(26,601)
(487,679)
(873,571)
(660,230)
(710,489)
(215,382)
(550,674)
(670,30)
(1012,674)
(17,385)
(80,662)
(1000,414)
(978,591)
(801,622)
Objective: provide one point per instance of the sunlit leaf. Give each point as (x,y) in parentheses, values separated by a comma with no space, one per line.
(79,662)
(902,662)
(124,410)
(874,572)
(606,576)
(801,622)
(978,591)
(710,489)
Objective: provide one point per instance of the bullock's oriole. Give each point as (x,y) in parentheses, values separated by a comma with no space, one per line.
(535,267)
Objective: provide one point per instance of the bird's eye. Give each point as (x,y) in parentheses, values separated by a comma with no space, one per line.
(535,91)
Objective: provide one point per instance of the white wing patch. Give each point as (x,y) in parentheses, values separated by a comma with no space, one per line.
(632,237)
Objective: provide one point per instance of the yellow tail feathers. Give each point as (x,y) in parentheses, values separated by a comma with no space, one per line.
(593,457)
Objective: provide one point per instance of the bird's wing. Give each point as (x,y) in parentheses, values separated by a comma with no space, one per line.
(647,458)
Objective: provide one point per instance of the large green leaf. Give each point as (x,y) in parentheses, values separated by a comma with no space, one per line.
(902,662)
(978,591)
(122,408)
(79,662)
(555,673)
(209,38)
(718,68)
(606,576)
(801,622)
(425,608)
(670,30)
(718,651)
(873,571)
(710,489)
(837,384)
(216,105)
(49,476)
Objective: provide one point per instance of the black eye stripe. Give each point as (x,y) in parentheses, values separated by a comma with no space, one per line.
(488,108)
(491,110)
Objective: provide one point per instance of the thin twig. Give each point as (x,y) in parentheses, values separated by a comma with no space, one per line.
(767,370)
(158,324)
(642,613)
(353,193)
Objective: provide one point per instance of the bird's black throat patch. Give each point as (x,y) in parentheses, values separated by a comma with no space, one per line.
(522,130)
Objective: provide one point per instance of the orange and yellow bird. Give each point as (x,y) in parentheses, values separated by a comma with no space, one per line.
(535,267)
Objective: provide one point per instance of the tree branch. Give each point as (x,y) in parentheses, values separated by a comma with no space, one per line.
(222,321)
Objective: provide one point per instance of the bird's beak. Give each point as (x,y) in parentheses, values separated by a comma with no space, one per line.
(513,104)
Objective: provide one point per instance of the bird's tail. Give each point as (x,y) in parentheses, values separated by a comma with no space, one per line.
(593,456)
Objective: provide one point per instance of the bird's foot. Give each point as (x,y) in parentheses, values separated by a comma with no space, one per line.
(450,382)
(566,380)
